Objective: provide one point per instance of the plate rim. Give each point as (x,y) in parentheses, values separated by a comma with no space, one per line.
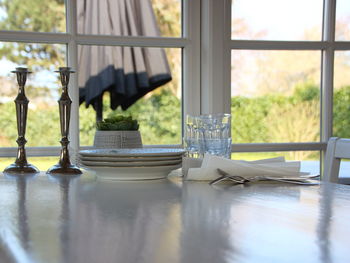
(170,167)
(130,158)
(132,164)
(174,153)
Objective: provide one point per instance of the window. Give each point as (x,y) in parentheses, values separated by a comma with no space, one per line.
(288,89)
(45,42)
(275,67)
(158,113)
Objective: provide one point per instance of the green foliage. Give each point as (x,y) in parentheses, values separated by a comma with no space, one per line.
(39,122)
(254,120)
(341,112)
(42,16)
(306,92)
(159,117)
(276,118)
(168,16)
(87,125)
(43,126)
(118,123)
(294,122)
(248,116)
(8,128)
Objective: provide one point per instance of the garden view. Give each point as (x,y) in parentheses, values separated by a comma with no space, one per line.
(275,95)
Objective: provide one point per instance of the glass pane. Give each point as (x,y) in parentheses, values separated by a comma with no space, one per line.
(33,15)
(310,160)
(130,18)
(275,96)
(276,19)
(42,88)
(342,32)
(134,85)
(341,96)
(344,170)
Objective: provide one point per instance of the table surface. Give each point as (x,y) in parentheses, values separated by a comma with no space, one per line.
(77,220)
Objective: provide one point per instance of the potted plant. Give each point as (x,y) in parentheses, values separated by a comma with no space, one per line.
(118,132)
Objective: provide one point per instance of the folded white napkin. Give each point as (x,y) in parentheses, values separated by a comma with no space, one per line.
(277,167)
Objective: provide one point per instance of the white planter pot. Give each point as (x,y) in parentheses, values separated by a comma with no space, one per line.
(117,139)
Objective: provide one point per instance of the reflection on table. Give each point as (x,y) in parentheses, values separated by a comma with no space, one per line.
(77,220)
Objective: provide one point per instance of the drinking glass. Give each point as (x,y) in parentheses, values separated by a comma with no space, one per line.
(208,134)
(214,134)
(191,136)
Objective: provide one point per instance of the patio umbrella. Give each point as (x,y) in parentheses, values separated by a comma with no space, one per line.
(127,73)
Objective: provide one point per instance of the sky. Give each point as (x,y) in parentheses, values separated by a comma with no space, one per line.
(291,19)
(43,78)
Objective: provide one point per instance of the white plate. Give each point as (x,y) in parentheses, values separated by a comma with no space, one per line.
(128,159)
(133,152)
(133,173)
(131,164)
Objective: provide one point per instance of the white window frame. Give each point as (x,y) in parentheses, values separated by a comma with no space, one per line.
(207,46)
(189,42)
(216,72)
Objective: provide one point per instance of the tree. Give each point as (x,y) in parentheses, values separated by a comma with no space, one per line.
(168,15)
(42,16)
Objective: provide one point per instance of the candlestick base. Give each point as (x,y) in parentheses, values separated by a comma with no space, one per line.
(21,169)
(69,169)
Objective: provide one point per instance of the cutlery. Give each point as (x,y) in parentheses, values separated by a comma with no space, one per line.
(311,176)
(242,180)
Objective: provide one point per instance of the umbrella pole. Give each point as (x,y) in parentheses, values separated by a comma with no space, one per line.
(99,109)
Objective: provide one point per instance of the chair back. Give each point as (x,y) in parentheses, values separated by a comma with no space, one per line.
(337,149)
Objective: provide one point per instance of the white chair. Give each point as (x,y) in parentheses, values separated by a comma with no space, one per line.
(337,149)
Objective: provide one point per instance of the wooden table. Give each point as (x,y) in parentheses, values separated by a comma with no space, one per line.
(82,220)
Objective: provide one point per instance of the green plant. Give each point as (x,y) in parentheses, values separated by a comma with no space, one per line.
(118,123)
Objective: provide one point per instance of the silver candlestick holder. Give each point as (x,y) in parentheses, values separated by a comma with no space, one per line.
(64,165)
(21,166)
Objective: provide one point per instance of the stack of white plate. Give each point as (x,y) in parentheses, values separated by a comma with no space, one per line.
(132,164)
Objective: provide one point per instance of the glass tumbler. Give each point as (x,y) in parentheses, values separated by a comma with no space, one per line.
(191,137)
(214,134)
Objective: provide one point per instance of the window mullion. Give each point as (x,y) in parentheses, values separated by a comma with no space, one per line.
(72,61)
(215,60)
(278,45)
(34,37)
(130,41)
(327,70)
(191,57)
